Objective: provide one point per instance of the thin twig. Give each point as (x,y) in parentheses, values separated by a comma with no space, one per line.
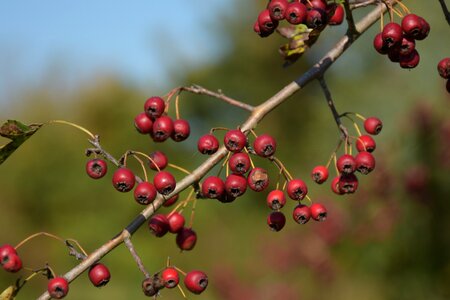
(136,257)
(350,21)
(445,10)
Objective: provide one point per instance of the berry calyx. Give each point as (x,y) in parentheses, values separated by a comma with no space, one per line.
(207,144)
(176,222)
(170,277)
(319,174)
(164,182)
(99,275)
(276,220)
(373,125)
(158,225)
(276,199)
(265,145)
(58,287)
(145,193)
(143,123)
(186,239)
(181,130)
(213,187)
(123,179)
(258,179)
(196,281)
(152,285)
(235,140)
(296,189)
(96,168)
(301,214)
(154,107)
(318,212)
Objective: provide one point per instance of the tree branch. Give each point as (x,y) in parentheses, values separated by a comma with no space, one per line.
(445,10)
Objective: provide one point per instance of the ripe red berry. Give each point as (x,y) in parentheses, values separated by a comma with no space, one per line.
(181,130)
(318,212)
(296,189)
(162,128)
(379,44)
(277,9)
(154,107)
(265,22)
(176,222)
(296,13)
(9,259)
(164,182)
(415,27)
(208,144)
(338,14)
(239,163)
(123,179)
(317,4)
(96,168)
(319,174)
(235,185)
(365,143)
(335,186)
(235,140)
(58,287)
(159,160)
(392,34)
(406,47)
(276,220)
(276,199)
(365,162)
(348,183)
(143,123)
(373,125)
(410,61)
(265,145)
(171,201)
(444,68)
(301,214)
(5,251)
(196,281)
(315,18)
(145,193)
(424,31)
(99,275)
(170,277)
(186,239)
(346,164)
(158,225)
(258,179)
(213,187)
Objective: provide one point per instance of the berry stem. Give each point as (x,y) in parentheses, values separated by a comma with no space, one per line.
(191,219)
(91,135)
(177,111)
(181,291)
(184,203)
(181,271)
(137,259)
(176,167)
(27,239)
(281,167)
(142,165)
(147,157)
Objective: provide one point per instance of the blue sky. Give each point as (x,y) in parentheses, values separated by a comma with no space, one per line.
(83,38)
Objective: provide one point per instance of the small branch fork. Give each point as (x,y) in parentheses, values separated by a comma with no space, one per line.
(256,115)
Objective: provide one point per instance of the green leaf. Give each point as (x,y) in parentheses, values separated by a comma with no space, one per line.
(18,133)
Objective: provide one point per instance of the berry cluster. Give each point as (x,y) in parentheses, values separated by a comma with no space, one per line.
(398,42)
(444,71)
(312,13)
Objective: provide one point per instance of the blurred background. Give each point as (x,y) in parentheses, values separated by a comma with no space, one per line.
(96,63)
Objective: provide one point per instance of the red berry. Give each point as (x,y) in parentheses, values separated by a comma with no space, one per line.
(296,13)
(415,27)
(164,182)
(379,44)
(406,47)
(265,22)
(5,251)
(208,144)
(277,9)
(176,222)
(239,163)
(297,189)
(170,277)
(315,18)
(162,129)
(301,214)
(181,130)
(346,164)
(143,123)
(276,199)
(186,239)
(265,145)
(319,174)
(365,143)
(365,162)
(317,4)
(171,201)
(338,14)
(373,125)
(196,281)
(235,185)
(9,259)
(58,287)
(392,34)
(424,31)
(410,61)
(444,68)
(99,275)
(258,179)
(123,179)
(145,193)
(348,183)
(235,140)
(318,212)
(213,187)
(276,220)
(158,225)
(335,186)
(159,160)
(154,107)
(96,168)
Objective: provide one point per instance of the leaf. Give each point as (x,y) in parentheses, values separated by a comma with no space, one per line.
(9,293)
(18,133)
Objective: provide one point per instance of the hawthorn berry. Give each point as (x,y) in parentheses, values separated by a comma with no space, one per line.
(176,222)
(301,214)
(99,275)
(348,183)
(186,239)
(207,144)
(181,130)
(164,182)
(266,24)
(410,61)
(239,163)
(170,277)
(337,14)
(406,47)
(373,125)
(316,4)
(96,168)
(444,68)
(425,29)
(296,189)
(276,199)
(213,187)
(235,140)
(158,225)
(392,34)
(365,162)
(123,179)
(162,128)
(152,285)
(318,212)
(158,160)
(9,259)
(145,193)
(143,123)
(58,287)
(265,145)
(258,179)
(196,281)
(5,251)
(154,107)
(296,13)
(235,185)
(335,186)
(171,201)
(277,9)
(365,143)
(276,220)
(346,164)
(379,44)
(319,174)
(315,18)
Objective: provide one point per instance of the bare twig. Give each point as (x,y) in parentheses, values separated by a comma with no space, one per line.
(352,33)
(445,10)
(136,257)
(362,3)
